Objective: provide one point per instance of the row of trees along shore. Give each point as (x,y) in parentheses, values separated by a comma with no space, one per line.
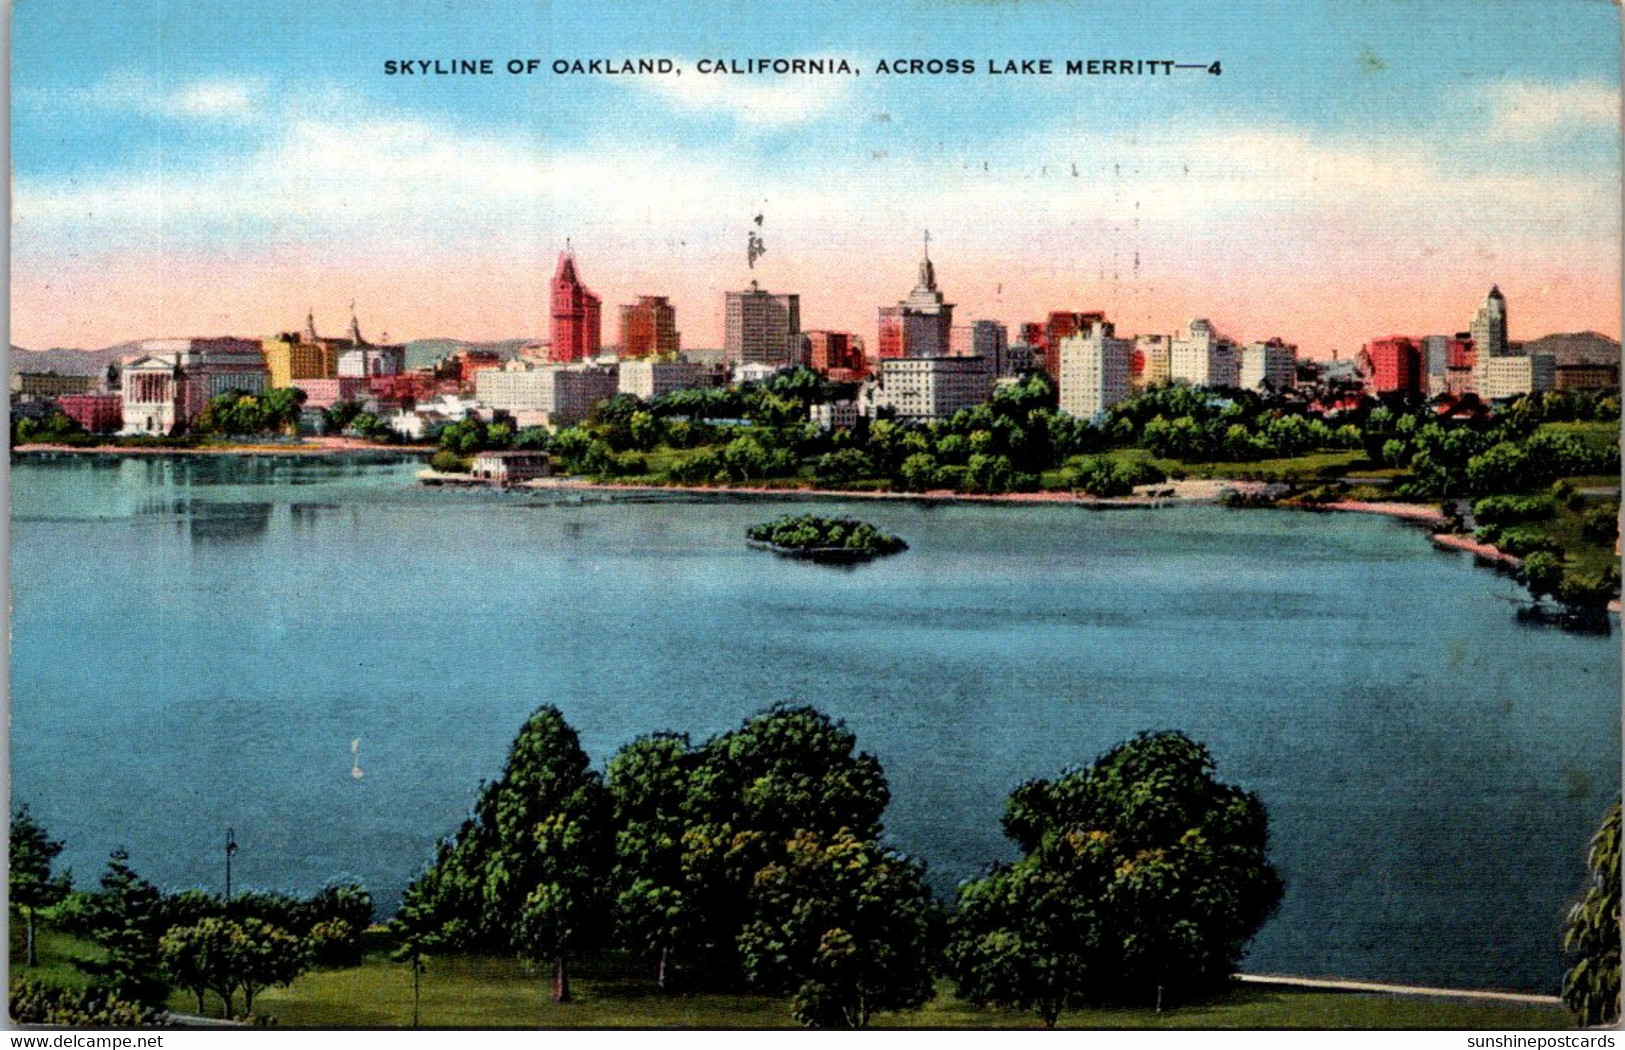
(757,862)
(1019,441)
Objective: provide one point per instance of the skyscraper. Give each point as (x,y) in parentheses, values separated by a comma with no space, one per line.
(649,326)
(1392,366)
(837,355)
(577,324)
(1201,356)
(1060,325)
(1094,366)
(761,328)
(1489,330)
(991,340)
(922,324)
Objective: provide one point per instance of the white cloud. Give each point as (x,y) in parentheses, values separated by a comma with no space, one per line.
(760,99)
(214,98)
(1524,110)
(321,164)
(211,99)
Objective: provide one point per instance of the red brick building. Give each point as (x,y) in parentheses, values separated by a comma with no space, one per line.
(1460,353)
(1045,336)
(891,334)
(649,326)
(837,355)
(97,413)
(410,387)
(577,324)
(1392,366)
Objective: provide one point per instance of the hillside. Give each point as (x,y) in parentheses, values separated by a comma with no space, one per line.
(420,353)
(1577,348)
(69,362)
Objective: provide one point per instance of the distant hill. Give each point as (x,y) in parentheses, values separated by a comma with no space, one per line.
(1577,348)
(69,362)
(420,353)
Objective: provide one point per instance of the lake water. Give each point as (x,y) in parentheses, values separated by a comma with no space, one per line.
(198,641)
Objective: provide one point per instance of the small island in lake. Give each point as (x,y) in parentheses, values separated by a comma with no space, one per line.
(824,539)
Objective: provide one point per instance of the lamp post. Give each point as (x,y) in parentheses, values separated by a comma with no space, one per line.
(231,847)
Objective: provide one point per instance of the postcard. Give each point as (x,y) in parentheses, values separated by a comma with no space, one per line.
(924,515)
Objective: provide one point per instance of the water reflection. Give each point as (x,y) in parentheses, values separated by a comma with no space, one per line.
(211,523)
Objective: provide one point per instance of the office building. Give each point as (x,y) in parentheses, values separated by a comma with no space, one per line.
(921,325)
(762,328)
(649,327)
(1095,367)
(577,324)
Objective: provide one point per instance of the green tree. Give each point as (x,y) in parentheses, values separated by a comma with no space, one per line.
(1143,878)
(988,474)
(334,920)
(1023,937)
(650,784)
(843,466)
(847,928)
(446,461)
(528,872)
(1592,935)
(918,472)
(436,910)
(33,887)
(198,958)
(265,956)
(786,771)
(126,922)
(644,430)
(1543,573)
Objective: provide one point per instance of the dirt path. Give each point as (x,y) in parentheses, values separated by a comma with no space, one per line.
(1341,985)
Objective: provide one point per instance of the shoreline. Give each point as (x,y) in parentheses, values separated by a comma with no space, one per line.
(1167,494)
(1188,492)
(308,447)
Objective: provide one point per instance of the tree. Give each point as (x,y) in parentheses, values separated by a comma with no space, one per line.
(1143,879)
(1542,573)
(1024,938)
(843,467)
(988,474)
(789,770)
(528,871)
(1592,936)
(919,471)
(846,927)
(265,956)
(650,783)
(197,957)
(334,920)
(126,922)
(32,885)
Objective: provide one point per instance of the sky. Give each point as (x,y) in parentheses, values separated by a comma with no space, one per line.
(1355,170)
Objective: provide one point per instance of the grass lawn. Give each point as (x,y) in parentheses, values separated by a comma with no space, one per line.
(611,992)
(56,952)
(1599,436)
(469,992)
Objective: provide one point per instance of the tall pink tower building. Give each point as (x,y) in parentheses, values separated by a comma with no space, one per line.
(577,325)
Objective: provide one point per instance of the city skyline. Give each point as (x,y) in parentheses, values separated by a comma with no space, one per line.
(1328,188)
